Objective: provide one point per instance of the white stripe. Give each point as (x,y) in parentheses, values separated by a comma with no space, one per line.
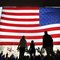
(30,28)
(21,11)
(20,22)
(56,39)
(28,40)
(29,34)
(0,11)
(15,40)
(22,17)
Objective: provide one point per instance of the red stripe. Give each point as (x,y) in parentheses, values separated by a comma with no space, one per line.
(16,43)
(29,31)
(20,25)
(21,8)
(28,37)
(22,14)
(13,19)
(19,37)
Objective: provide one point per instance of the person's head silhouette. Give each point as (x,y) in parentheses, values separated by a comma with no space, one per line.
(32,41)
(45,32)
(23,37)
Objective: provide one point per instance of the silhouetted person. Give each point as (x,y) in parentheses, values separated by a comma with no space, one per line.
(16,58)
(41,57)
(1,55)
(21,47)
(32,49)
(12,57)
(48,43)
(57,57)
(6,56)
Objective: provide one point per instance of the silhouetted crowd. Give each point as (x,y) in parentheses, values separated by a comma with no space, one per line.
(39,57)
(46,47)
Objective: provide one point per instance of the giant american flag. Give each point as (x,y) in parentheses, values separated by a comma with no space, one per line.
(30,22)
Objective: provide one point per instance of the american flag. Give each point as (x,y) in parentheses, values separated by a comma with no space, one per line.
(30,22)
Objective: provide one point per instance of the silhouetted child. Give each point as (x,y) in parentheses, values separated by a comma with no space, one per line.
(32,48)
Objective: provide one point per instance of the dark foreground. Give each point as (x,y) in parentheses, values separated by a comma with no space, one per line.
(39,57)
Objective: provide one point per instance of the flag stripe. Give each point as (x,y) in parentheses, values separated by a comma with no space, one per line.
(21,11)
(29,34)
(20,22)
(22,17)
(28,40)
(13,19)
(30,31)
(21,8)
(20,25)
(22,14)
(29,37)
(30,28)
(16,43)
